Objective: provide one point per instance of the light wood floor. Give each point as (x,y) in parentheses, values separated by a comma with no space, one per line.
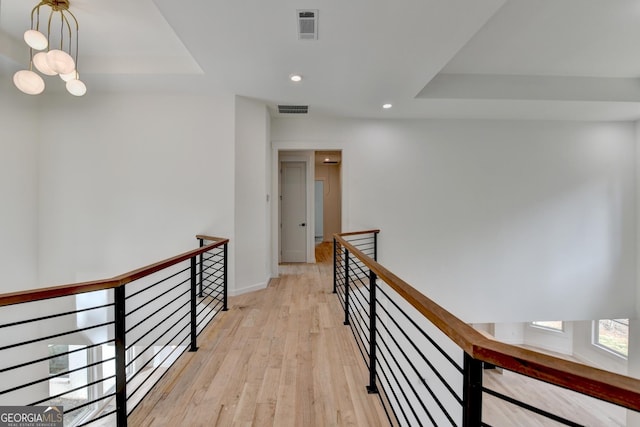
(278,357)
(282,357)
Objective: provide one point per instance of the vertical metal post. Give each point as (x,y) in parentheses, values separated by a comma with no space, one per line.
(121,363)
(194,282)
(335,265)
(472,392)
(224,278)
(201,267)
(375,246)
(346,287)
(372,387)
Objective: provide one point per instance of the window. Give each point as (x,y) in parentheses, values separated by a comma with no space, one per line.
(60,363)
(612,335)
(554,325)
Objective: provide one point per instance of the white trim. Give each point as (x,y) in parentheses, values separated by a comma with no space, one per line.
(548,328)
(302,146)
(257,287)
(601,348)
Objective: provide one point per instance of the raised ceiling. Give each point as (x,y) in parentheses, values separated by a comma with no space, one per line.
(516,59)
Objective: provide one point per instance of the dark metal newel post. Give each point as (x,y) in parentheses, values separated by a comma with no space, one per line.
(224,278)
(375,246)
(346,287)
(372,387)
(201,267)
(472,392)
(335,265)
(194,282)
(120,356)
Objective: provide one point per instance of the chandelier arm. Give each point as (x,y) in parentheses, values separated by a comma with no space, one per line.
(61,31)
(77,29)
(33,11)
(49,30)
(66,21)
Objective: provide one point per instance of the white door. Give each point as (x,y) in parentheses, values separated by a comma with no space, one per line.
(293,211)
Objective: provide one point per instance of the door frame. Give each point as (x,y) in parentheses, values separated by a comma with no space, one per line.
(301,151)
(303,157)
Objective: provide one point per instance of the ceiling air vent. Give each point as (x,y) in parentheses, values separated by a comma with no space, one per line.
(293,109)
(308,24)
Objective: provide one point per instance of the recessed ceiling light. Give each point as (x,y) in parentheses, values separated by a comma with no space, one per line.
(295,78)
(386,106)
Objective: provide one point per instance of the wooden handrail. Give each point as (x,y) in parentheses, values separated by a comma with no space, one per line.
(353,233)
(98,285)
(619,389)
(210,238)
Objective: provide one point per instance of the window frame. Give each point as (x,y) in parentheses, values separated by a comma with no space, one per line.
(596,342)
(537,324)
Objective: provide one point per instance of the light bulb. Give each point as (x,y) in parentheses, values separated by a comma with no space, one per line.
(35,39)
(40,61)
(60,61)
(76,87)
(28,82)
(70,76)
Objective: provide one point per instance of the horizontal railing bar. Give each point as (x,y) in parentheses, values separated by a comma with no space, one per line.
(214,286)
(608,386)
(37,319)
(184,270)
(93,420)
(161,322)
(409,382)
(418,328)
(424,358)
(158,366)
(55,336)
(531,408)
(9,390)
(218,302)
(182,295)
(172,289)
(99,285)
(360,343)
(149,389)
(212,274)
(72,390)
(75,408)
(149,346)
(390,387)
(22,365)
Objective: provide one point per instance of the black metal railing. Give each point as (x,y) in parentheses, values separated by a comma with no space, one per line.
(427,365)
(97,348)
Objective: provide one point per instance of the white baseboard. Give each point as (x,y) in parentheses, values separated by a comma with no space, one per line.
(252,288)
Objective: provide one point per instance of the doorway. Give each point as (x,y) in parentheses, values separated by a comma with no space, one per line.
(319,209)
(328,176)
(314,158)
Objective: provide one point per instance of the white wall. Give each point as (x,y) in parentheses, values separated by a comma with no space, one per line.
(19,120)
(127,180)
(252,209)
(498,221)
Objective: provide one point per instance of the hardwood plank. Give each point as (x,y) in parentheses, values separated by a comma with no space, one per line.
(274,359)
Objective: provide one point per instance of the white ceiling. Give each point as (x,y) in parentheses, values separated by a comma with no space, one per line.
(516,59)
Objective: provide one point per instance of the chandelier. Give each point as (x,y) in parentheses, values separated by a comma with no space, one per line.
(57,52)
